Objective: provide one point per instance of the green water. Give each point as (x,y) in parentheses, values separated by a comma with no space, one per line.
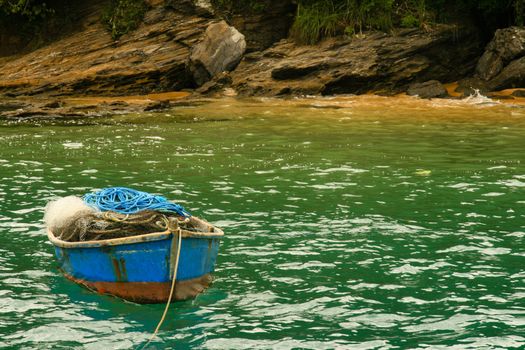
(350,223)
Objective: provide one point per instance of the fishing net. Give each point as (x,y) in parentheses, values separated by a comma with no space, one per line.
(71,220)
(108,225)
(58,212)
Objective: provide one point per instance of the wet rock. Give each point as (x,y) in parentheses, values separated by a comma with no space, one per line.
(500,97)
(294,72)
(80,107)
(507,44)
(220,50)
(119,104)
(512,76)
(11,106)
(217,84)
(518,93)
(157,106)
(375,62)
(53,104)
(428,89)
(472,86)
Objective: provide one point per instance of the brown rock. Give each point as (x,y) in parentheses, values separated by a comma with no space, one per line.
(428,89)
(217,84)
(294,72)
(375,62)
(518,93)
(53,104)
(157,106)
(220,50)
(512,76)
(472,86)
(151,58)
(507,44)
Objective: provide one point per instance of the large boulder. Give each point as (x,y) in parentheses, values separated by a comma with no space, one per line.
(512,76)
(472,86)
(507,45)
(220,50)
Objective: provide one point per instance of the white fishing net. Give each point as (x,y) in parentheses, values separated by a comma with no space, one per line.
(59,213)
(70,219)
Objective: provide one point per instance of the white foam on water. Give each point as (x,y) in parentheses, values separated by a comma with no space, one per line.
(493,194)
(477,99)
(154,138)
(511,183)
(73,145)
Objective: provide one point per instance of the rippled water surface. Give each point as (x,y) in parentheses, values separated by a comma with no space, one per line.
(367,223)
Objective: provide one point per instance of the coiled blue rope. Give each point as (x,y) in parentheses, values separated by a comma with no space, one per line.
(129,201)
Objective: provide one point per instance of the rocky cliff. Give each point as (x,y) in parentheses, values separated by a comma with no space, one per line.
(151,58)
(184,46)
(373,62)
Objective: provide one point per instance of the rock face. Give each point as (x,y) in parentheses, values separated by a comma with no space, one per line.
(518,93)
(266,26)
(378,62)
(183,46)
(507,44)
(151,58)
(220,51)
(428,89)
(201,8)
(512,76)
(10,42)
(502,66)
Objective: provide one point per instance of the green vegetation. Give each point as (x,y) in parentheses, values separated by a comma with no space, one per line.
(123,16)
(316,19)
(32,23)
(31,10)
(227,8)
(240,5)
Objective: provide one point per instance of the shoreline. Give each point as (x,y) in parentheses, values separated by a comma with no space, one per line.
(75,107)
(176,50)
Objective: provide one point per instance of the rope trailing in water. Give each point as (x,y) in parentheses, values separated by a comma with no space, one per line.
(179,238)
(125,200)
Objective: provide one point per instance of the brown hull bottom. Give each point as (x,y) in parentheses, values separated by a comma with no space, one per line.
(148,292)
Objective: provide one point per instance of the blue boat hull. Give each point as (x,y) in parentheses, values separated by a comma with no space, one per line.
(140,268)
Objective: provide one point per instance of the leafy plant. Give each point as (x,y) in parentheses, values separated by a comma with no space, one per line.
(123,16)
(321,18)
(316,19)
(409,21)
(228,7)
(31,10)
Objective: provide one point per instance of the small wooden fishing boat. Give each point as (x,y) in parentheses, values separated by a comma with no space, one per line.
(141,268)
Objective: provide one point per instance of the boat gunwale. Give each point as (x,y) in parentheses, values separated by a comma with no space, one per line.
(148,237)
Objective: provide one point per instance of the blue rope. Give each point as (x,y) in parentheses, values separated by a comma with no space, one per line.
(129,201)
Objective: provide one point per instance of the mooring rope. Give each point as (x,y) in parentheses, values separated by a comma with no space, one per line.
(125,200)
(179,234)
